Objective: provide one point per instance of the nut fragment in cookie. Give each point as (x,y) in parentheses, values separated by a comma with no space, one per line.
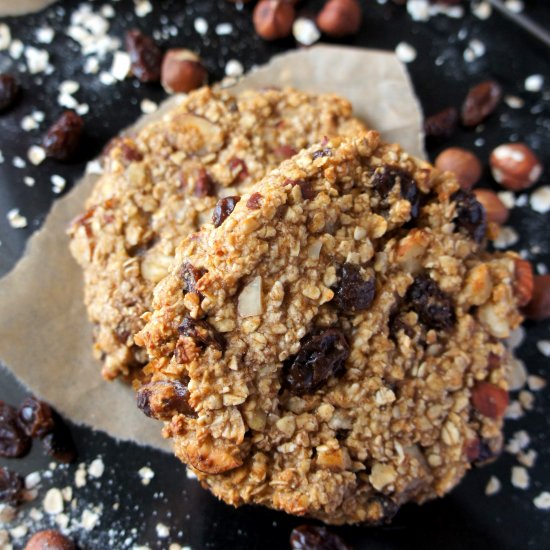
(361,322)
(163,183)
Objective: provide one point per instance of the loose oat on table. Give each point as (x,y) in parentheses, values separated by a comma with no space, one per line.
(332,345)
(161,184)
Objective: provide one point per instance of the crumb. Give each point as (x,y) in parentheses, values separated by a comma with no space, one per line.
(53,502)
(163,531)
(234,68)
(15,219)
(36,154)
(201,26)
(540,199)
(493,486)
(527,458)
(224,29)
(542,502)
(405,52)
(534,83)
(96,468)
(147,106)
(146,475)
(520,477)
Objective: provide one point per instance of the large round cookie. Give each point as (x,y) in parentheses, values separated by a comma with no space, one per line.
(333,348)
(159,186)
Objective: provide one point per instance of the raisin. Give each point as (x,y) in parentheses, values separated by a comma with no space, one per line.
(59,442)
(202,332)
(441,125)
(312,537)
(284,152)
(49,540)
(480,102)
(35,417)
(145,56)
(472,449)
(386,506)
(353,292)
(489,400)
(397,324)
(130,153)
(253,201)
(306,188)
(238,169)
(63,137)
(385,179)
(470,215)
(9,91)
(223,209)
(433,306)
(14,443)
(164,399)
(204,186)
(320,357)
(11,487)
(326,152)
(488,451)
(191,275)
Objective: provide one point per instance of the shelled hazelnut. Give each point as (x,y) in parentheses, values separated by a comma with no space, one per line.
(273,19)
(515,166)
(494,208)
(340,17)
(465,165)
(182,71)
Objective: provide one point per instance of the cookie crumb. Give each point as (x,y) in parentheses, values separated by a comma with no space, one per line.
(542,502)
(201,26)
(163,531)
(520,477)
(36,154)
(96,468)
(146,475)
(15,219)
(540,199)
(534,83)
(53,502)
(405,52)
(147,106)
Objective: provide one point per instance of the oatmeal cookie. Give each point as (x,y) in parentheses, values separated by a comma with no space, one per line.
(331,345)
(159,186)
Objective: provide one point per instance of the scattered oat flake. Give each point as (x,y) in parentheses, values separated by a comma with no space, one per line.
(163,531)
(19,532)
(536,383)
(542,502)
(234,68)
(514,102)
(96,468)
(91,65)
(80,476)
(201,25)
(520,477)
(121,65)
(45,35)
(69,87)
(82,109)
(107,11)
(534,83)
(18,162)
(37,60)
(527,400)
(544,347)
(89,519)
(29,181)
(143,7)
(28,123)
(36,154)
(15,219)
(106,78)
(147,106)
(493,486)
(305,31)
(67,101)
(527,458)
(540,199)
(519,441)
(223,29)
(514,411)
(53,502)
(405,52)
(32,480)
(507,237)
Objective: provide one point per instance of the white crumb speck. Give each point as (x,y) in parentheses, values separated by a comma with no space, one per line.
(18,162)
(515,6)
(28,123)
(32,480)
(39,116)
(53,502)
(544,347)
(80,476)
(37,60)
(514,102)
(475,50)
(508,199)
(234,68)
(527,458)
(520,477)
(540,199)
(163,531)
(121,65)
(67,101)
(45,35)
(507,237)
(405,52)
(527,400)
(190,474)
(147,106)
(536,383)
(305,31)
(62,521)
(107,11)
(36,154)
(69,87)
(201,25)
(106,78)
(534,83)
(143,7)
(94,167)
(29,181)
(542,502)
(223,29)
(89,519)
(482,10)
(67,493)
(519,441)
(146,475)
(493,486)
(91,65)
(15,219)
(419,10)
(16,49)
(514,411)
(19,532)
(96,468)
(82,109)
(5,36)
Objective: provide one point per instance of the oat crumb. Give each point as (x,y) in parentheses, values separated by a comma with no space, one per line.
(520,477)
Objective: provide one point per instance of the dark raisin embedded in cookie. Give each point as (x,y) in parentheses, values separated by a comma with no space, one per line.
(223,209)
(164,399)
(202,332)
(386,178)
(354,291)
(254,201)
(190,275)
(205,185)
(313,537)
(433,306)
(320,357)
(470,215)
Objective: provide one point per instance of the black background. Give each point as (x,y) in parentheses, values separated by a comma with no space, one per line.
(466,518)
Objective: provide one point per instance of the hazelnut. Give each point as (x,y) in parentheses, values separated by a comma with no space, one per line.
(340,17)
(538,308)
(182,71)
(465,165)
(49,540)
(524,281)
(273,19)
(489,400)
(494,208)
(515,166)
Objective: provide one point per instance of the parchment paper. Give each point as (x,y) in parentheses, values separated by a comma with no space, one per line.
(19,7)
(45,337)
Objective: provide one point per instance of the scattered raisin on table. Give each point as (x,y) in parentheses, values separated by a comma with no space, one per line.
(14,443)
(59,443)
(202,332)
(9,91)
(223,209)
(433,306)
(165,398)
(353,293)
(320,357)
(63,137)
(35,417)
(442,124)
(11,487)
(480,102)
(470,215)
(312,537)
(145,56)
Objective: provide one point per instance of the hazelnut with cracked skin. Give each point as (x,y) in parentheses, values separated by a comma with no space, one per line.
(182,71)
(465,165)
(515,166)
(494,208)
(340,17)
(49,540)
(273,19)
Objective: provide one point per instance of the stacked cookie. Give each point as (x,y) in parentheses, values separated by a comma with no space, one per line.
(325,333)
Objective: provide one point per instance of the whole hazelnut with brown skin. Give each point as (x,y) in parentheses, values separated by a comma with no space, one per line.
(538,308)
(515,166)
(182,71)
(340,17)
(49,540)
(465,165)
(273,19)
(524,281)
(494,208)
